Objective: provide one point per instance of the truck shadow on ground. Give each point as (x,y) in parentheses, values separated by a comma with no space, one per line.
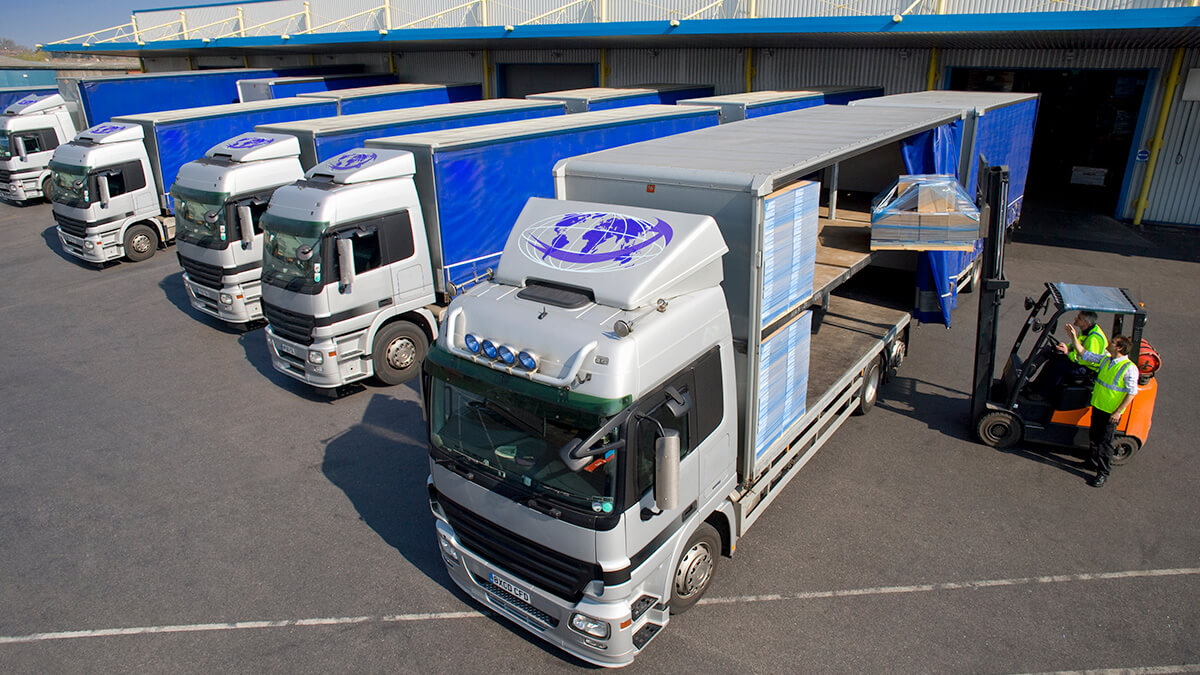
(382,464)
(258,353)
(172,287)
(50,235)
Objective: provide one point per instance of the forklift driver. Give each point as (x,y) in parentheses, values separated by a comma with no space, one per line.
(1060,367)
(1116,385)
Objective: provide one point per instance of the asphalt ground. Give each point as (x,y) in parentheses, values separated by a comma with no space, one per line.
(169,503)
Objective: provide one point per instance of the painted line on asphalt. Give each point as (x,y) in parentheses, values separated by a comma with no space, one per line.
(745,599)
(1139,670)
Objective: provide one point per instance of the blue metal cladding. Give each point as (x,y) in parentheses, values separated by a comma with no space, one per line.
(10,95)
(765,109)
(481,189)
(105,98)
(783,360)
(183,141)
(287,89)
(844,97)
(332,144)
(411,99)
(1003,135)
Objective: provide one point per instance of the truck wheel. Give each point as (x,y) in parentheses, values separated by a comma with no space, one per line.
(140,242)
(399,349)
(1124,448)
(695,568)
(869,392)
(47,187)
(1000,429)
(973,281)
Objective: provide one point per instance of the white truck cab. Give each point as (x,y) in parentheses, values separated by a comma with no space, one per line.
(347,285)
(219,200)
(30,130)
(104,199)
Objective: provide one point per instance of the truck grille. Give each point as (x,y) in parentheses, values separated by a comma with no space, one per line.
(289,325)
(5,176)
(202,273)
(75,228)
(549,570)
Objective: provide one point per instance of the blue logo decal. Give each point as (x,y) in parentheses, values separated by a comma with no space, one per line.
(248,142)
(595,242)
(106,128)
(353,160)
(27,100)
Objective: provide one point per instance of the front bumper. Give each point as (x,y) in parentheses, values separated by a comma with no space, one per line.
(291,359)
(92,248)
(244,303)
(546,615)
(16,192)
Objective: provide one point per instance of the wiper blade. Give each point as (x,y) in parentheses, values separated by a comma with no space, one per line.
(513,417)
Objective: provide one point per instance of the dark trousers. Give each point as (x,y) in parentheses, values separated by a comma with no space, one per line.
(1100,437)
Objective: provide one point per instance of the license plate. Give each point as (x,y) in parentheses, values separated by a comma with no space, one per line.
(287,349)
(508,586)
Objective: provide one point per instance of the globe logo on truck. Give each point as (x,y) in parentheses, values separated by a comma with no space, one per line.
(249,142)
(352,160)
(106,128)
(595,242)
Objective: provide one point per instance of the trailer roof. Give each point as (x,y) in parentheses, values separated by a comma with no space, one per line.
(384,118)
(773,96)
(216,110)
(602,93)
(383,89)
(177,73)
(980,101)
(467,136)
(760,154)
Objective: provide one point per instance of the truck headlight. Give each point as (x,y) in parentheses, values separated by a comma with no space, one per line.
(448,549)
(316,358)
(585,624)
(226,299)
(88,245)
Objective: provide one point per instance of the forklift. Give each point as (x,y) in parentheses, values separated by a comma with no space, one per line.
(1001,410)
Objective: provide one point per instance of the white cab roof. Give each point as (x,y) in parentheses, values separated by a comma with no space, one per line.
(112,132)
(34,103)
(363,165)
(256,147)
(628,257)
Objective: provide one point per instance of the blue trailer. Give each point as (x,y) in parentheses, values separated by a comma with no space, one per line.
(606,98)
(392,96)
(175,137)
(100,99)
(262,89)
(474,181)
(737,107)
(10,95)
(996,126)
(325,137)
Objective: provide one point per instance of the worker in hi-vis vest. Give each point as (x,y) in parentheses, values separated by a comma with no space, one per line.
(1056,370)
(1116,385)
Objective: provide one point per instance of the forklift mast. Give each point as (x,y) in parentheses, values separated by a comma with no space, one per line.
(993,189)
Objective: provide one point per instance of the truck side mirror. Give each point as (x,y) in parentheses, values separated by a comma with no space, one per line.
(246,226)
(666,470)
(345,253)
(102,188)
(21,152)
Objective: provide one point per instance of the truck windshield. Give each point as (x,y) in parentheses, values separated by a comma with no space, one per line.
(292,253)
(70,184)
(200,217)
(516,438)
(5,146)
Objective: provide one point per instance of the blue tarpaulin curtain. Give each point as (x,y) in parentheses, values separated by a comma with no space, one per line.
(935,152)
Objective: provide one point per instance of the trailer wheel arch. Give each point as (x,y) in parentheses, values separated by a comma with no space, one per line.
(721,522)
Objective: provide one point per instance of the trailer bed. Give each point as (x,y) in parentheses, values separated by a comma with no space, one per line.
(843,248)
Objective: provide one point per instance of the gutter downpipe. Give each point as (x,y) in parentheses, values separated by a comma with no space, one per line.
(1159,130)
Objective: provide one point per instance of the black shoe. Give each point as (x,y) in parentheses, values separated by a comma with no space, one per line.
(1098,480)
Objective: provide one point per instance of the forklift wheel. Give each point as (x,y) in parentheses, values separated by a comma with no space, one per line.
(1000,429)
(1124,448)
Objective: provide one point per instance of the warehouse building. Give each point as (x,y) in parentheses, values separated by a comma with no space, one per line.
(1119,79)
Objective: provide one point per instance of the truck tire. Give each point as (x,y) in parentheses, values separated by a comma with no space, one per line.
(398,352)
(140,242)
(869,393)
(1124,448)
(1000,429)
(47,187)
(695,568)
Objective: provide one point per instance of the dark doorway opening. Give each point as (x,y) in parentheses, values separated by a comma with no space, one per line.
(518,80)
(1087,123)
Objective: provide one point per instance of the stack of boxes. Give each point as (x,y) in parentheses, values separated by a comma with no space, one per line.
(924,213)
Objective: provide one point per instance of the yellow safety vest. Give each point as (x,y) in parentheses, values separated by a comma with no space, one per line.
(1110,390)
(1094,341)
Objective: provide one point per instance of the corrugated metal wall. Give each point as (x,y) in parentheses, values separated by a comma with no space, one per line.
(439,66)
(1175,193)
(724,69)
(896,70)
